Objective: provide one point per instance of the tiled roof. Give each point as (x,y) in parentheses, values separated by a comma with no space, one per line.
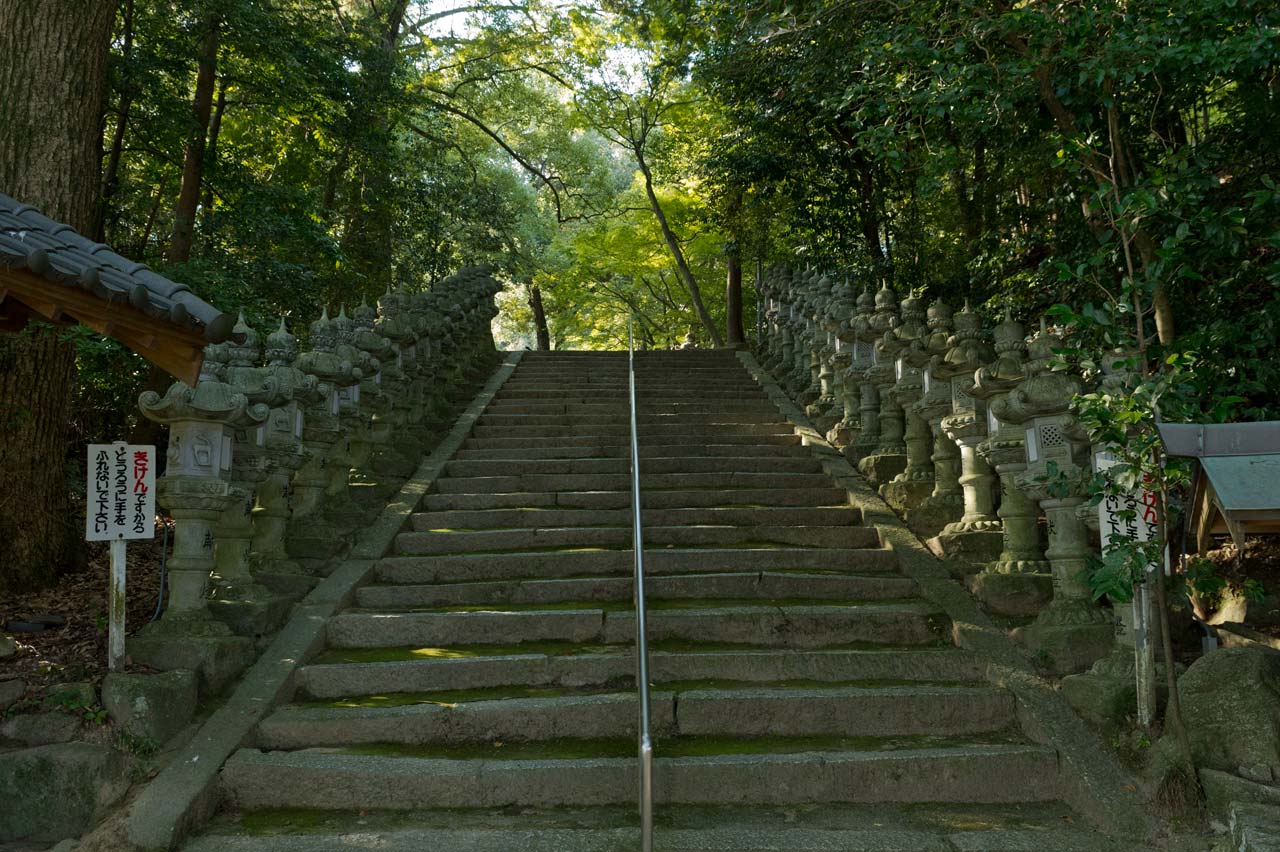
(56,252)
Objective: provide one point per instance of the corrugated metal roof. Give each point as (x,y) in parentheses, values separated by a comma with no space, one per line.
(32,241)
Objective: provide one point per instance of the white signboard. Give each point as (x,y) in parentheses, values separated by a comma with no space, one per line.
(121,492)
(1143,525)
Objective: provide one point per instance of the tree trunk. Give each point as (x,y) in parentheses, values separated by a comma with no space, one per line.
(215,128)
(677,253)
(111,179)
(53,73)
(733,302)
(184,214)
(539,318)
(368,240)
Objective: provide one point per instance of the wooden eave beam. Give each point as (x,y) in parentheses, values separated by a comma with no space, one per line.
(178,352)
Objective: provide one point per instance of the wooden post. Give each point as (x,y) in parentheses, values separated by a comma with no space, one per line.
(116,605)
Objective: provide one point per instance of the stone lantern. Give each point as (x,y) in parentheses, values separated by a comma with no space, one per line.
(777,312)
(915,482)
(1018,582)
(196,489)
(311,539)
(1073,631)
(889,458)
(249,608)
(877,371)
(975,539)
(946,503)
(835,316)
(285,427)
(357,404)
(843,432)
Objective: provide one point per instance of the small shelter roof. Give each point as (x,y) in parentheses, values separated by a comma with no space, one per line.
(1236,483)
(54,272)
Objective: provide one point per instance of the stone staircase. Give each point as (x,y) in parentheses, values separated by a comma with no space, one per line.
(479,695)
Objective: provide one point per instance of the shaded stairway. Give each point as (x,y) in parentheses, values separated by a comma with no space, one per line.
(480,694)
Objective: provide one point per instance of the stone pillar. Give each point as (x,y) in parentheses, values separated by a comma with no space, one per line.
(196,490)
(843,432)
(915,482)
(971,542)
(946,503)
(1073,631)
(1018,582)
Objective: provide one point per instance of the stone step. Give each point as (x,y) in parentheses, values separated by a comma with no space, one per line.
(747,711)
(766,585)
(385,671)
(649,500)
(622,465)
(645,406)
(674,433)
(619,396)
(534,518)
(538,538)
(319,779)
(622,450)
(622,441)
(701,418)
(789,626)
(546,482)
(607,563)
(731,835)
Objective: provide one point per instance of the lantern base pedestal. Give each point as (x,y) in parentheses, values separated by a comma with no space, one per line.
(1015,595)
(905,494)
(842,436)
(1064,647)
(967,552)
(935,512)
(202,645)
(252,612)
(881,468)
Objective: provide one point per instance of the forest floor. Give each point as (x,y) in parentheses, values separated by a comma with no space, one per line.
(75,650)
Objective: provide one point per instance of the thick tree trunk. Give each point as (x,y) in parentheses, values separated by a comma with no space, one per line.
(53,63)
(677,253)
(368,240)
(215,128)
(539,318)
(733,302)
(184,214)
(111,178)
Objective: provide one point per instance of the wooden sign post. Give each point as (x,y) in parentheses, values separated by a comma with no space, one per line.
(121,505)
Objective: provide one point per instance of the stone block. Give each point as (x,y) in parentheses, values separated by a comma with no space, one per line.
(1066,648)
(37,729)
(253,618)
(11,691)
(1222,789)
(7,646)
(927,519)
(58,791)
(967,552)
(151,706)
(1015,595)
(1255,828)
(1100,699)
(880,469)
(216,660)
(904,495)
(71,694)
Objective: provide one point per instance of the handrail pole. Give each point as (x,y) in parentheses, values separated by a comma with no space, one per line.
(642,644)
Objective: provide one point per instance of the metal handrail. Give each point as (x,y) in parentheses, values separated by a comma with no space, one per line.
(642,644)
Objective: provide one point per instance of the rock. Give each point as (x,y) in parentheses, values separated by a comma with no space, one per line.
(80,694)
(58,791)
(1231,706)
(37,729)
(218,660)
(1221,789)
(67,845)
(7,646)
(1255,828)
(11,691)
(153,707)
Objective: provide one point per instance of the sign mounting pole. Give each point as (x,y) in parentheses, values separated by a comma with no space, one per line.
(121,506)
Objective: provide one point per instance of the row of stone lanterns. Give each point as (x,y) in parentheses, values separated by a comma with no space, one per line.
(277,456)
(948,422)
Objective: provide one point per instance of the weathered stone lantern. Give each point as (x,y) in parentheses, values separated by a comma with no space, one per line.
(311,539)
(196,490)
(285,425)
(975,539)
(915,482)
(1018,582)
(843,432)
(946,503)
(1073,631)
(879,373)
